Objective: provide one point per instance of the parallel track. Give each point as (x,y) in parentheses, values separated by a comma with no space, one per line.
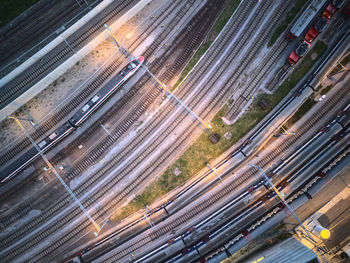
(52,211)
(32,30)
(65,111)
(182,139)
(251,172)
(58,55)
(144,174)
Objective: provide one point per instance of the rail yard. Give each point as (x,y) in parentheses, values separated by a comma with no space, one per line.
(175,131)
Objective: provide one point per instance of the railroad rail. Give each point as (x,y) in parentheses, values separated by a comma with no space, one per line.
(182,139)
(61,53)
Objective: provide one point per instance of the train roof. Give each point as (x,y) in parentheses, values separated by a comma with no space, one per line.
(321,24)
(302,49)
(344,119)
(313,32)
(294,57)
(306,17)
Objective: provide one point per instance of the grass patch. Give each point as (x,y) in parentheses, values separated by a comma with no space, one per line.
(326,89)
(219,25)
(319,88)
(202,150)
(9,9)
(285,23)
(226,15)
(304,108)
(192,62)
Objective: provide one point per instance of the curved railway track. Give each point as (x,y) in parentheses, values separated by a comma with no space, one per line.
(150,51)
(182,139)
(251,172)
(61,53)
(50,121)
(165,74)
(257,76)
(139,179)
(129,188)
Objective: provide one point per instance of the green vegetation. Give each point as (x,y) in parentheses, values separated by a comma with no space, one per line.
(319,88)
(219,25)
(225,16)
(285,23)
(326,89)
(192,62)
(201,151)
(9,9)
(304,108)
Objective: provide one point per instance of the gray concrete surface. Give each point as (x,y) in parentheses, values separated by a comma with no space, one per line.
(65,66)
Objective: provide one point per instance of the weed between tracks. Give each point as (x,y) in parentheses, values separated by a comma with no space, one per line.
(202,150)
(219,25)
(192,62)
(285,23)
(304,108)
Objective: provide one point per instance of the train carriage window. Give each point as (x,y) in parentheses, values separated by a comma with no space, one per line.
(132,65)
(42,144)
(95,98)
(85,108)
(53,135)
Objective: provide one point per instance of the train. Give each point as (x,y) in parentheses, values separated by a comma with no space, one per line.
(314,8)
(305,19)
(186,242)
(194,244)
(246,149)
(316,29)
(12,169)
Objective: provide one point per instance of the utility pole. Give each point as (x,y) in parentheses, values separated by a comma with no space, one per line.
(53,169)
(162,85)
(213,169)
(282,199)
(147,218)
(308,235)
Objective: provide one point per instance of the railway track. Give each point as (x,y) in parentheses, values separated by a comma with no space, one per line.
(132,186)
(61,53)
(257,76)
(250,173)
(50,121)
(139,179)
(34,30)
(167,74)
(156,22)
(191,43)
(183,116)
(89,132)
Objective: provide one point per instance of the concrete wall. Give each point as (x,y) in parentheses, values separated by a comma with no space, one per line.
(42,84)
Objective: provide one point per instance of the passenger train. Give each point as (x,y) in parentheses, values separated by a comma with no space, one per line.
(75,121)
